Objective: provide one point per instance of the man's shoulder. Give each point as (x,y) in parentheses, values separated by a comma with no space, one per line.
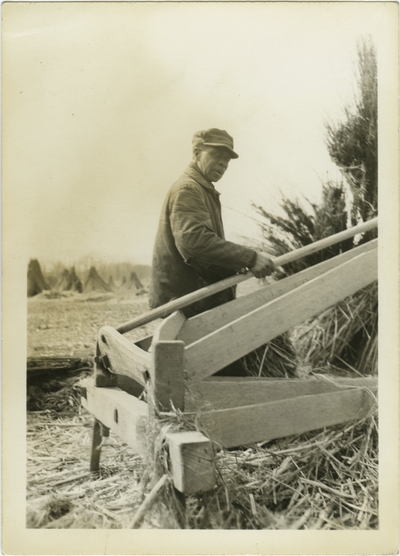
(185,181)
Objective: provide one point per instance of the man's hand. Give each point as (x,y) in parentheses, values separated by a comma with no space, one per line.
(264,266)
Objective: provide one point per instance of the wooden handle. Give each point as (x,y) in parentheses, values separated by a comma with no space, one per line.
(198,295)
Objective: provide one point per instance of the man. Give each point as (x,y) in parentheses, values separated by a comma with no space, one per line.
(190,249)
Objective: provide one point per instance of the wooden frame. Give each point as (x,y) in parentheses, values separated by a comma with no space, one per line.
(177,364)
(291,406)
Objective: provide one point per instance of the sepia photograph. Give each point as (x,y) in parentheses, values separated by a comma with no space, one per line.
(199,313)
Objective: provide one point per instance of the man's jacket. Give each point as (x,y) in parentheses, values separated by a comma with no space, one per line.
(190,248)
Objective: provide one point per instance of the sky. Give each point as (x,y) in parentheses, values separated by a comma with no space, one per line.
(101,100)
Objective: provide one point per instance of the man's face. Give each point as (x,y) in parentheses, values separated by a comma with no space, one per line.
(213,162)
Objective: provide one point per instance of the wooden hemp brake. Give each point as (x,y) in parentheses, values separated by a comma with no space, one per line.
(177,365)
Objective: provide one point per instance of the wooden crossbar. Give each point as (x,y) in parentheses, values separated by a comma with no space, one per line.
(196,327)
(266,421)
(218,349)
(231,392)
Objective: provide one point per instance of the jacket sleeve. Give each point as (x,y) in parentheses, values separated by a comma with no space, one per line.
(196,240)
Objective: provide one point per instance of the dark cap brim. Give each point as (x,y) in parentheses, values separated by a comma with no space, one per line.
(233,154)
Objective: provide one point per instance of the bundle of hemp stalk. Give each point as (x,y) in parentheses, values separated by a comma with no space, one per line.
(344,337)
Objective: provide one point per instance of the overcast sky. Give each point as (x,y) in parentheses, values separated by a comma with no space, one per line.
(100,102)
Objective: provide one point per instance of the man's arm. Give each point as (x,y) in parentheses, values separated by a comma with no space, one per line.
(201,247)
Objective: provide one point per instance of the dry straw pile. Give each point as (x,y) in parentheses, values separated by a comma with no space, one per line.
(62,493)
(344,336)
(324,480)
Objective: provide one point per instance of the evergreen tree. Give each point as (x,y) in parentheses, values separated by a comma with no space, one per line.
(353,146)
(299,227)
(353,142)
(345,334)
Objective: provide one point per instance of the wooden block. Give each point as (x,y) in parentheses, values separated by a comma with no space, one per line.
(227,392)
(168,375)
(191,459)
(169,327)
(267,421)
(121,356)
(103,377)
(205,323)
(124,415)
(227,344)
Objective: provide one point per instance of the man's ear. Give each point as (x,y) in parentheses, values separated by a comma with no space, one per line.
(196,152)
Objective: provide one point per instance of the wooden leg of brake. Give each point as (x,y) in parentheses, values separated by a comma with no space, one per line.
(190,452)
(99,431)
(169,388)
(180,510)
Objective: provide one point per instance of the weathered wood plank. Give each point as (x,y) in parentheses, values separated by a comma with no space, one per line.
(267,421)
(119,355)
(203,324)
(42,364)
(169,328)
(229,392)
(191,458)
(124,415)
(227,344)
(168,374)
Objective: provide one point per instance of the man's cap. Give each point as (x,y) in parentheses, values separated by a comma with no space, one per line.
(214,138)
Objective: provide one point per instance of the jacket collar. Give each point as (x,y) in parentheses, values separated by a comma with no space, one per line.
(194,172)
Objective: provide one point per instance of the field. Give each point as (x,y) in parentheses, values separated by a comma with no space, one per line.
(322,480)
(68,326)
